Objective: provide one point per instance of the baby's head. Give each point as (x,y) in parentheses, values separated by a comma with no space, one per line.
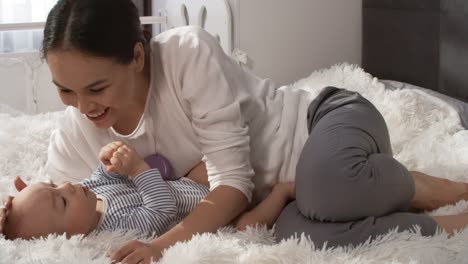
(41,209)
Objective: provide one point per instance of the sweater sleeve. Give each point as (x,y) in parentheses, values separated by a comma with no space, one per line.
(64,162)
(74,147)
(210,82)
(159,209)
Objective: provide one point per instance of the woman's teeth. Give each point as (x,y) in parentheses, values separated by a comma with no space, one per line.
(97,114)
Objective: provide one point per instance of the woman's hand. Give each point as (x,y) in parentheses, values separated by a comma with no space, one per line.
(3,211)
(268,210)
(122,159)
(134,252)
(288,189)
(7,201)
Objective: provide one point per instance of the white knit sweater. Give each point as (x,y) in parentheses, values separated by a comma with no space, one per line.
(201,105)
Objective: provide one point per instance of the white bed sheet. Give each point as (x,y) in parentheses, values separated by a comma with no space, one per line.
(460,106)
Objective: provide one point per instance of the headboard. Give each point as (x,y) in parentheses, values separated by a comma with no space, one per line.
(421,42)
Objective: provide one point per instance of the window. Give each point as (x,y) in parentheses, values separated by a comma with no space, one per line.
(20,11)
(23,11)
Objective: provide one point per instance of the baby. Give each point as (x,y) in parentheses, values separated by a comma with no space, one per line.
(124,193)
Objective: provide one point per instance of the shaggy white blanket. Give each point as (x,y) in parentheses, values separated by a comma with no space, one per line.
(426,135)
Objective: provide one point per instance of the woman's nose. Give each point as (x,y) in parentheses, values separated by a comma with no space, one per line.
(82,105)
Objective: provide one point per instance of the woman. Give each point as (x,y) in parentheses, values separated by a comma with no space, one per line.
(181,96)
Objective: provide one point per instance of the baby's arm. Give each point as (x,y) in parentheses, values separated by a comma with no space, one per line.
(269,209)
(159,207)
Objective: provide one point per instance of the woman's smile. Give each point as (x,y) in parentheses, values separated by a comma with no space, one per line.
(98,116)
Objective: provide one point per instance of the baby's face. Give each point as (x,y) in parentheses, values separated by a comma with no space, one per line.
(42,209)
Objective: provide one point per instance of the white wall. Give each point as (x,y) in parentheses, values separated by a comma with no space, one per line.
(287,40)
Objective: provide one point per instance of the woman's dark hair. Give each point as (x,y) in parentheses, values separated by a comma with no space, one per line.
(104,28)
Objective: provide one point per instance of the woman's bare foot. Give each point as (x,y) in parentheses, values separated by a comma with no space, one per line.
(432,192)
(452,223)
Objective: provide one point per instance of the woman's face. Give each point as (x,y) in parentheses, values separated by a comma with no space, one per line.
(100,88)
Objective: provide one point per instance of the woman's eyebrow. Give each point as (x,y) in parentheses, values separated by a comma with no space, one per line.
(91,85)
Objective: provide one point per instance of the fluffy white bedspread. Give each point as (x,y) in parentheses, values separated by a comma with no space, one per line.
(426,135)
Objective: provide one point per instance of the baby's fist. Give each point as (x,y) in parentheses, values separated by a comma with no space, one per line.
(107,152)
(122,159)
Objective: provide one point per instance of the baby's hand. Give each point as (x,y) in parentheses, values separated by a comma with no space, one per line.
(122,159)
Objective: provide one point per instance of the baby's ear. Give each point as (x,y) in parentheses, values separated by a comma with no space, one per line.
(19,184)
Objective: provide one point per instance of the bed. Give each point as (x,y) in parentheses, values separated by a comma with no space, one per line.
(426,131)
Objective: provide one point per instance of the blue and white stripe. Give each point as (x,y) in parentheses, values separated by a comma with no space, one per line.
(148,204)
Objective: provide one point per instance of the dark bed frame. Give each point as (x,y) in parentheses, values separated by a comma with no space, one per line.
(421,42)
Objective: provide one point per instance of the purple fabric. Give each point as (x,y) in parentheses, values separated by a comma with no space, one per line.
(159,162)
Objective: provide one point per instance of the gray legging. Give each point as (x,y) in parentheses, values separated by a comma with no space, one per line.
(348,185)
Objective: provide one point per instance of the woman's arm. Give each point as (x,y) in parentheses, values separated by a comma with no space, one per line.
(199,174)
(269,209)
(71,154)
(212,89)
(208,216)
(218,208)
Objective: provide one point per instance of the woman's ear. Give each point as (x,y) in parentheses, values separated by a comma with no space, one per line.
(139,56)
(19,184)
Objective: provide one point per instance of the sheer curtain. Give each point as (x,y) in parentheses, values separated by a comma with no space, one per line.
(17,11)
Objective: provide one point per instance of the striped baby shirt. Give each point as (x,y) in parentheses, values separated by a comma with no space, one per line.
(147,204)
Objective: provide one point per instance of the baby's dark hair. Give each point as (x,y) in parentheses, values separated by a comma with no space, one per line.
(104,28)
(15,226)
